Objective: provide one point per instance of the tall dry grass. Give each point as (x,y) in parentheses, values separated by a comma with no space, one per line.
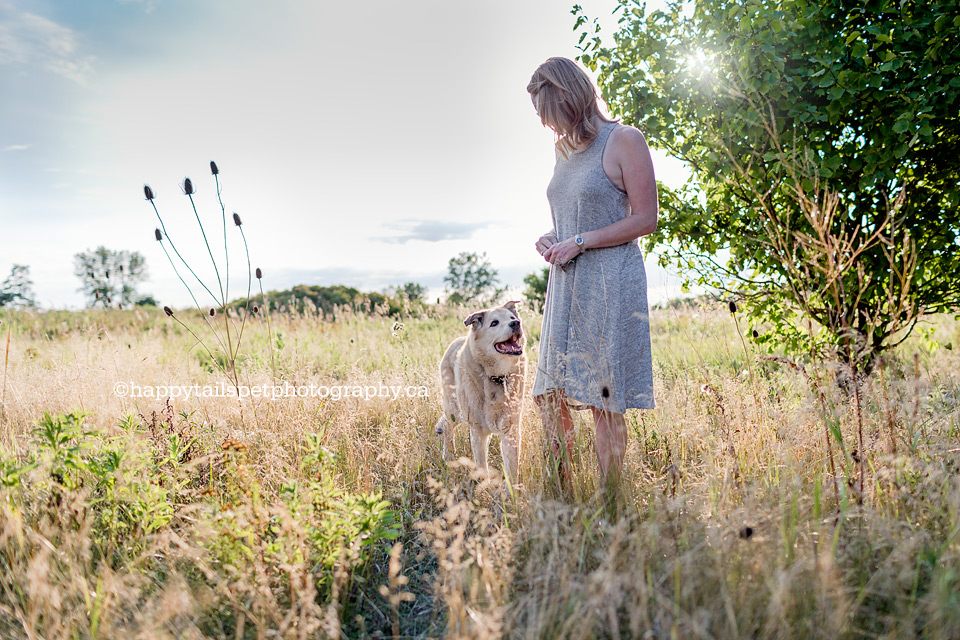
(190,519)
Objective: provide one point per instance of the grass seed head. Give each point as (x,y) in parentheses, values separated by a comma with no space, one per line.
(236,219)
(157,235)
(733,306)
(259,273)
(147,191)
(168,311)
(188,186)
(213,312)
(213,168)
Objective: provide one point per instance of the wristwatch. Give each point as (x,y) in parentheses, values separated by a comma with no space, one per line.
(579,241)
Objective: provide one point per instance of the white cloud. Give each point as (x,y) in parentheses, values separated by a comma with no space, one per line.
(430,230)
(17,147)
(28,40)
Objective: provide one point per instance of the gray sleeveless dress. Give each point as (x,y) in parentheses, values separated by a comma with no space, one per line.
(595,340)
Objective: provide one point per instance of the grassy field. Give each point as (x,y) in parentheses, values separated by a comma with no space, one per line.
(761,501)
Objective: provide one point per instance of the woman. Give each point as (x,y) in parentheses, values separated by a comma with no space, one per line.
(595,341)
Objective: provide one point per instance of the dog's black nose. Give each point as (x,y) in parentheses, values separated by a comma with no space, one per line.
(514,324)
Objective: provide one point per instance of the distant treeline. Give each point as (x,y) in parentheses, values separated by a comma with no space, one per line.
(314,298)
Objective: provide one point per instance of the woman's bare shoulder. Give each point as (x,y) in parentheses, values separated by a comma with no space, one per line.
(624,134)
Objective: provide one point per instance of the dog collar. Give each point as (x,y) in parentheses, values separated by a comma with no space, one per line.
(498,380)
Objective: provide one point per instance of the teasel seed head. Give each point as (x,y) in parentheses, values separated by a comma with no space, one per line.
(213,168)
(259,273)
(236,219)
(168,311)
(158,235)
(147,191)
(188,186)
(213,312)
(733,306)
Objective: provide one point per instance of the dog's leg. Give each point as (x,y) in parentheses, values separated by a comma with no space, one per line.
(445,430)
(510,452)
(479,441)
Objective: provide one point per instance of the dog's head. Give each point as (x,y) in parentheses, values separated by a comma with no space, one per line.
(496,331)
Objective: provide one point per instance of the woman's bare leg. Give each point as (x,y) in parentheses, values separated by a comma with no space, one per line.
(558,425)
(611,444)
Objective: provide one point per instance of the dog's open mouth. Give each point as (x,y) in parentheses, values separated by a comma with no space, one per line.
(510,347)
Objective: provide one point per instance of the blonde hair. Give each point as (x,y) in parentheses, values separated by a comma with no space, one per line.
(566,101)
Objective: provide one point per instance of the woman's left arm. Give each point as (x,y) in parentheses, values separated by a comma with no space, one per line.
(632,156)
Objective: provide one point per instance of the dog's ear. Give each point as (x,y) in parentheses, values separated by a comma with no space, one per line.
(475,319)
(512,305)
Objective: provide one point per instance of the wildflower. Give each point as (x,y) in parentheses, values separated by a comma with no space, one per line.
(236,219)
(188,186)
(213,312)
(147,191)
(256,309)
(259,273)
(232,444)
(213,168)
(733,306)
(756,334)
(159,236)
(168,311)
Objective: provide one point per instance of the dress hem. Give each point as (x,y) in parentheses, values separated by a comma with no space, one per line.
(589,405)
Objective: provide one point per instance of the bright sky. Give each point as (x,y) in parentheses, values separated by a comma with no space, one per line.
(363,143)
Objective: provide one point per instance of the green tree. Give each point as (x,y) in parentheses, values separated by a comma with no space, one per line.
(472,279)
(110,278)
(414,291)
(536,291)
(17,290)
(824,141)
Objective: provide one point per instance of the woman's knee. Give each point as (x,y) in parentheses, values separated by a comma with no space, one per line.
(550,399)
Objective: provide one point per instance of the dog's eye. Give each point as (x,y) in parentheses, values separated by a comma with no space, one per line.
(494,323)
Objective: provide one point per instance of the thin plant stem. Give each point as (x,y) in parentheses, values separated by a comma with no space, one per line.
(265,310)
(3,394)
(916,396)
(203,344)
(246,307)
(216,270)
(863,454)
(746,353)
(226,250)
(891,423)
(197,304)
(174,247)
